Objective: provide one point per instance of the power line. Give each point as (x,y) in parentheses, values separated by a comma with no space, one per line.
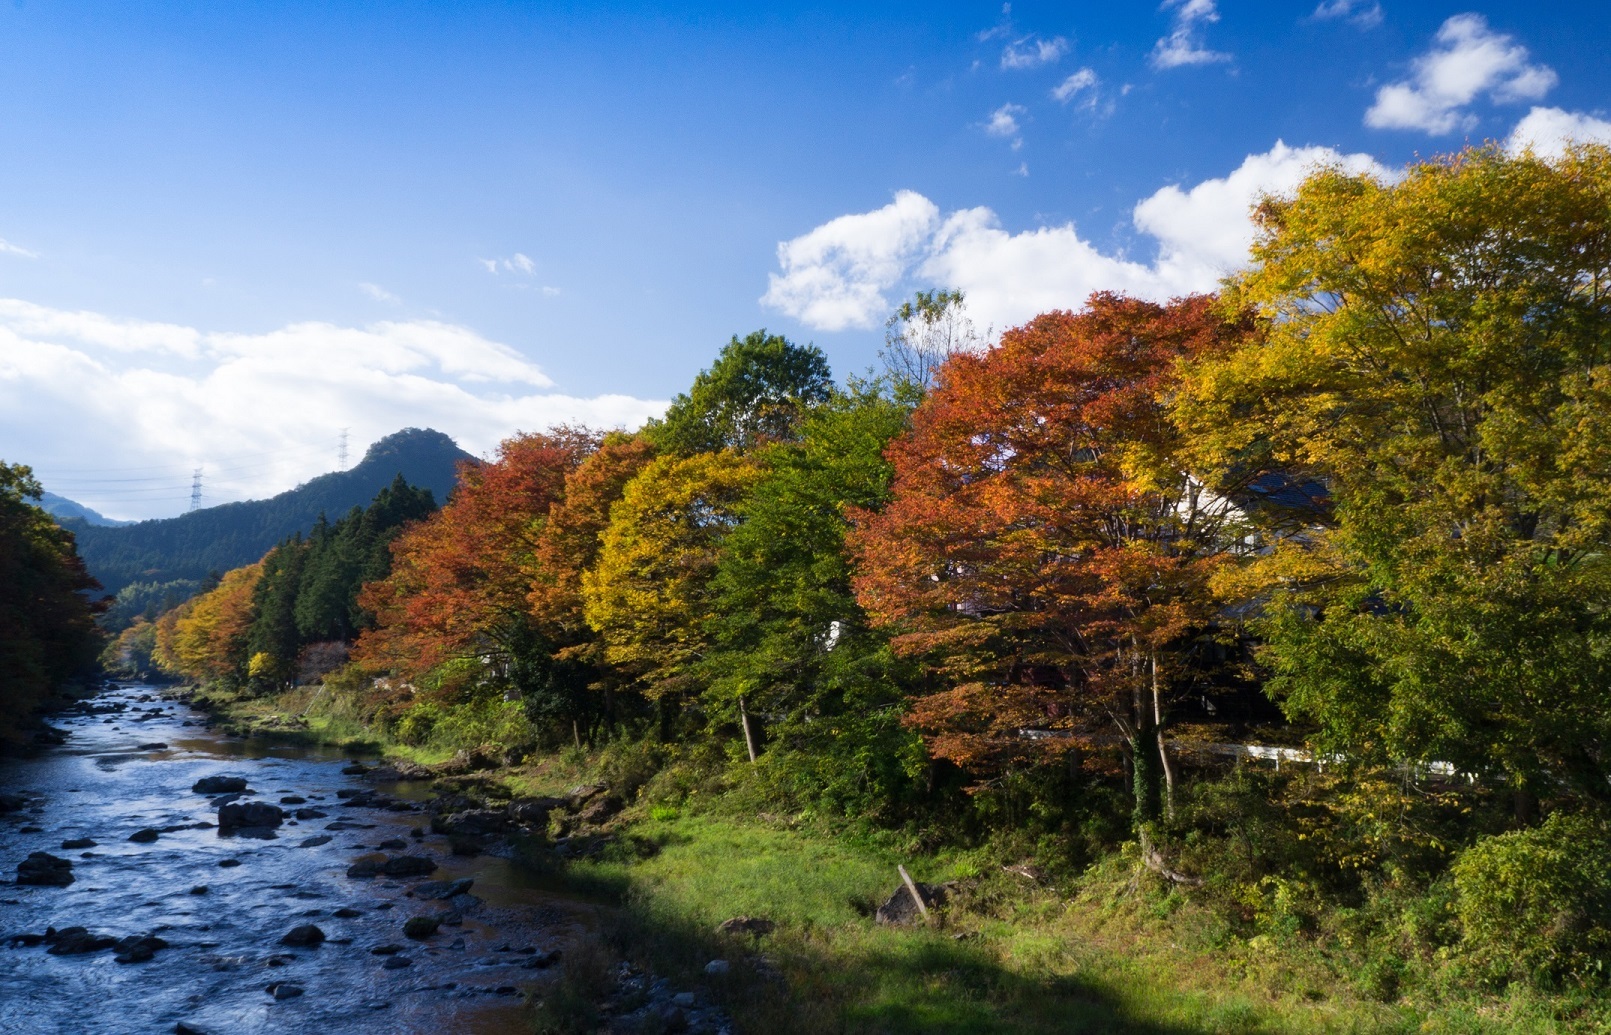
(195,490)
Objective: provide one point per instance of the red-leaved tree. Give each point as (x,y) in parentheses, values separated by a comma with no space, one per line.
(460,578)
(1043,547)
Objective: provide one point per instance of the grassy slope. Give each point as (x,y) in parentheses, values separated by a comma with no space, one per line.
(1112,954)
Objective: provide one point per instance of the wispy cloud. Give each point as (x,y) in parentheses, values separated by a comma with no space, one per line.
(518,263)
(1184,45)
(1033,52)
(1085,80)
(843,273)
(7,248)
(1003,122)
(1366,14)
(1467,60)
(379,293)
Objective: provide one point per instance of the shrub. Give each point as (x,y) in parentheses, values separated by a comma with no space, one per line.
(1533,904)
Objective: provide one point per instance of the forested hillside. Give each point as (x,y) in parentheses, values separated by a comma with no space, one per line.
(216,539)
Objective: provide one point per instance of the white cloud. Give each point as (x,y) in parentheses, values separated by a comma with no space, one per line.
(1004,121)
(1467,60)
(1032,52)
(1202,233)
(1184,45)
(1367,14)
(835,276)
(83,392)
(378,293)
(1548,131)
(1084,79)
(7,248)
(519,263)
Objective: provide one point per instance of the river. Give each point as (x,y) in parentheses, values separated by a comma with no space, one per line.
(110,779)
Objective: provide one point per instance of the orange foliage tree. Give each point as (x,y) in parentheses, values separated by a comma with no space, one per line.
(205,639)
(1043,547)
(459,581)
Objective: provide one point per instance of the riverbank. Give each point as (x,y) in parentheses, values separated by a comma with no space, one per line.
(170,877)
(1012,949)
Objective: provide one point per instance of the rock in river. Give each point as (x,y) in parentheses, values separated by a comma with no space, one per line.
(251,815)
(75,941)
(45,870)
(219,784)
(303,936)
(421,926)
(396,866)
(439,889)
(145,836)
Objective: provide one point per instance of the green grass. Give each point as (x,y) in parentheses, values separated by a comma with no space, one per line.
(1002,960)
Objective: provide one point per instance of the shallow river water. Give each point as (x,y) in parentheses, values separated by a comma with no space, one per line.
(224,947)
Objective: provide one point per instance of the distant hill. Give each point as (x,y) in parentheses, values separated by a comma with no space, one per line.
(228,536)
(63,509)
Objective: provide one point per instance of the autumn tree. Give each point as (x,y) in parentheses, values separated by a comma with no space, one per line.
(458,586)
(648,596)
(757,390)
(209,638)
(1044,547)
(575,679)
(1438,350)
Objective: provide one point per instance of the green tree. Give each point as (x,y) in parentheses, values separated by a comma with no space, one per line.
(757,390)
(788,638)
(1438,350)
(47,622)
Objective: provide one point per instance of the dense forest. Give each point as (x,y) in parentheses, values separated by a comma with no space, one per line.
(285,619)
(144,562)
(1033,595)
(48,636)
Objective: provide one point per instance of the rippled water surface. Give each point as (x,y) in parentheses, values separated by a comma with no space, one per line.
(224,945)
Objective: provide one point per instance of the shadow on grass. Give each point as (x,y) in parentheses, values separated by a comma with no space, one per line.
(855,978)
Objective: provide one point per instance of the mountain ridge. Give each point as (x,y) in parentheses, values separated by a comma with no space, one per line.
(232,534)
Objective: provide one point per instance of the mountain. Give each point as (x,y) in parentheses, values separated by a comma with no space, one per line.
(63,509)
(228,536)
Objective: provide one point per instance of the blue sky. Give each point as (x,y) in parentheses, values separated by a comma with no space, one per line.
(231,230)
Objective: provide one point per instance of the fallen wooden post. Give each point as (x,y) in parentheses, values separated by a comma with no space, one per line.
(916,895)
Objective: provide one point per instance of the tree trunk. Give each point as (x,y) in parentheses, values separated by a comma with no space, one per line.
(1163,751)
(1144,763)
(749,735)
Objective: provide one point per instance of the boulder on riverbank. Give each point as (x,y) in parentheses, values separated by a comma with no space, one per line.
(41,869)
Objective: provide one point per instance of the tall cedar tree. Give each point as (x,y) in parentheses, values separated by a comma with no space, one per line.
(458,586)
(1439,351)
(1043,546)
